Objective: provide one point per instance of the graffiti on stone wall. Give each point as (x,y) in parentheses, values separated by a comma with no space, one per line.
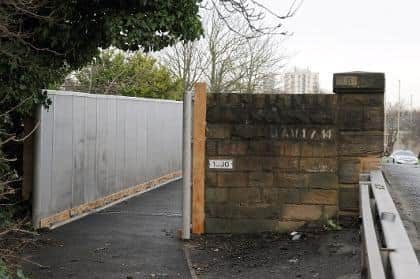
(310,134)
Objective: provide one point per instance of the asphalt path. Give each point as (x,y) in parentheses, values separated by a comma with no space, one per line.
(134,239)
(404,186)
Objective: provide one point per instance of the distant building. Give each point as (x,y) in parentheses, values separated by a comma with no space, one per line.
(269,83)
(301,82)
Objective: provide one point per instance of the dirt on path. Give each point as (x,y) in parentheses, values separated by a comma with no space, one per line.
(324,255)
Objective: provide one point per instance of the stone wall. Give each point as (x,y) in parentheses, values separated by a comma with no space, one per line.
(295,158)
(361,142)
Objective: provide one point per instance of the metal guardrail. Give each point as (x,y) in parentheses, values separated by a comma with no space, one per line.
(387,250)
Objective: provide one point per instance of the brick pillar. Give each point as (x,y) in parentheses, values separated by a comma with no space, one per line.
(360,100)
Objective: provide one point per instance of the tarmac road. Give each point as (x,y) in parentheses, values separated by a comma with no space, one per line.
(134,239)
(404,185)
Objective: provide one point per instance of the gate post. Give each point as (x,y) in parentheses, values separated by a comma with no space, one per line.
(199,145)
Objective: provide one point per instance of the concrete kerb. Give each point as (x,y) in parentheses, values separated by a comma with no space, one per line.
(187,255)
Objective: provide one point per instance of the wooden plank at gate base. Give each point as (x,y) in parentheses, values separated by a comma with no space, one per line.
(199,141)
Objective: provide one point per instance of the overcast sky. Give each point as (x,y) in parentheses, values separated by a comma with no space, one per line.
(365,35)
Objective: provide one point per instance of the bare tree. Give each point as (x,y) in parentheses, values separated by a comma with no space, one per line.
(254,13)
(227,60)
(12,20)
(225,50)
(261,60)
(186,61)
(395,131)
(391,131)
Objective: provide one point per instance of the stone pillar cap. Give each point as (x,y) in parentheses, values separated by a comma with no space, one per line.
(359,82)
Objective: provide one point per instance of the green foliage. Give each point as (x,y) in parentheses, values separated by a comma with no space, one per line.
(134,74)
(62,36)
(20,274)
(4,273)
(331,225)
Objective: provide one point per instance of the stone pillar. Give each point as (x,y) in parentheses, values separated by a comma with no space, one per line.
(360,100)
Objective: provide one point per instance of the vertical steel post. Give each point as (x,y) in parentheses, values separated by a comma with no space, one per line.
(186,165)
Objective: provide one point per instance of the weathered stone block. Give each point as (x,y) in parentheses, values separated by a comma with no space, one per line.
(318,165)
(211,147)
(322,197)
(279,196)
(370,163)
(321,181)
(220,225)
(211,178)
(288,180)
(322,117)
(260,101)
(261,147)
(213,114)
(260,179)
(271,195)
(351,118)
(218,131)
(232,211)
(361,99)
(291,196)
(258,211)
(216,195)
(373,118)
(245,196)
(211,100)
(227,99)
(217,210)
(349,197)
(289,164)
(232,179)
(226,115)
(286,148)
(248,131)
(252,163)
(348,170)
(319,149)
(302,212)
(257,115)
(362,144)
(232,147)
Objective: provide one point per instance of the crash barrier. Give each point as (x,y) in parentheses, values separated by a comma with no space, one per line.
(92,150)
(387,251)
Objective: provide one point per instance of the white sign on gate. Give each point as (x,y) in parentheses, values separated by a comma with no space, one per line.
(221,164)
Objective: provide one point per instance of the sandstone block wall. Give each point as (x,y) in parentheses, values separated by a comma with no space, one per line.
(295,158)
(361,142)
